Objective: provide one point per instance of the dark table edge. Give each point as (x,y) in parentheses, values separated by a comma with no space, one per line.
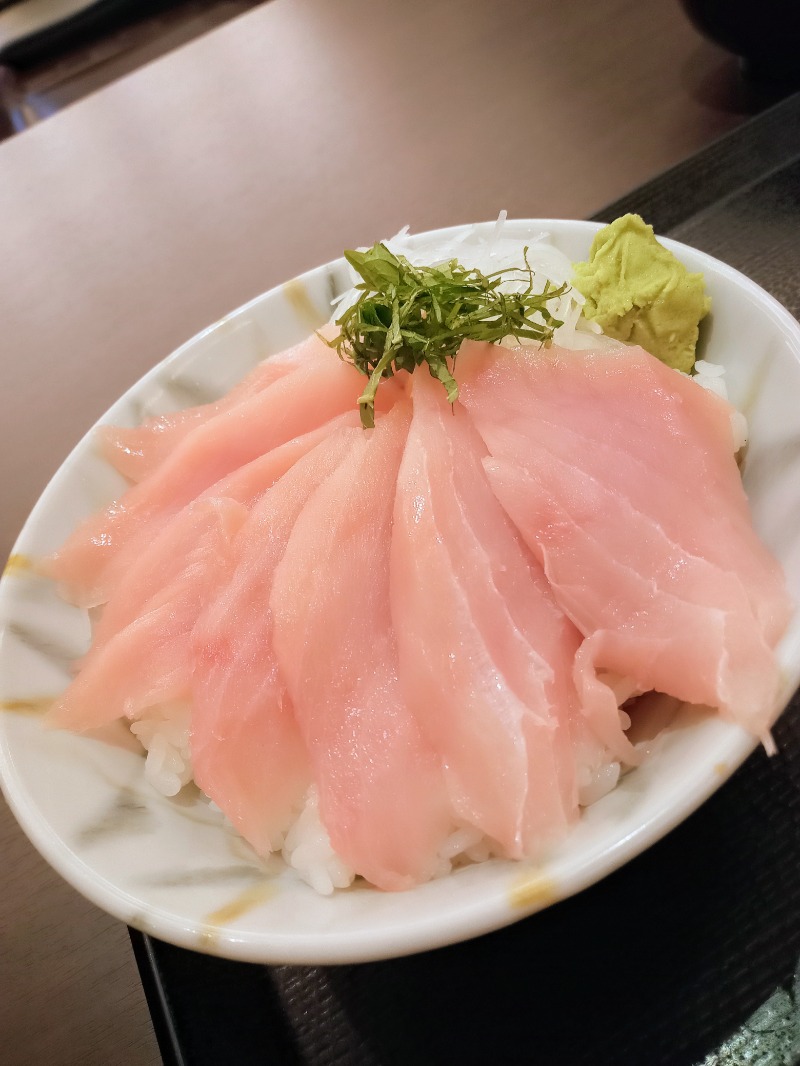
(745,155)
(157,999)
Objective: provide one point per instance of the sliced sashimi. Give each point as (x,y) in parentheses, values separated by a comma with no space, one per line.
(147,663)
(248,754)
(672,590)
(153,558)
(715,523)
(381,789)
(654,614)
(136,451)
(294,404)
(485,654)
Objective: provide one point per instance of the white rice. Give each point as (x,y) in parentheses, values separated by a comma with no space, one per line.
(164,734)
(164,731)
(594,782)
(711,376)
(307,849)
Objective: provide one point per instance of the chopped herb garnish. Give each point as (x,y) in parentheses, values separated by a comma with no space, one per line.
(408,315)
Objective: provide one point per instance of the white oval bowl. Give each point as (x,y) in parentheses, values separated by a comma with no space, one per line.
(170,867)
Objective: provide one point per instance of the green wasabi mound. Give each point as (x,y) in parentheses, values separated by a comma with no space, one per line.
(638,292)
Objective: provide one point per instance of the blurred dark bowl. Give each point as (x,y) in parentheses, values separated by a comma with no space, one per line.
(765,34)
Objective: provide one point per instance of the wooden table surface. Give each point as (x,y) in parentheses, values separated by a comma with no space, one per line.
(146,211)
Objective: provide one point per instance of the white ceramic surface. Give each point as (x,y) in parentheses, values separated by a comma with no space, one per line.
(170,867)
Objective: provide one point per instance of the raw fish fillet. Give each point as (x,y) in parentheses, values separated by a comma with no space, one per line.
(189,559)
(136,451)
(621,477)
(248,754)
(294,404)
(148,563)
(381,789)
(146,663)
(485,654)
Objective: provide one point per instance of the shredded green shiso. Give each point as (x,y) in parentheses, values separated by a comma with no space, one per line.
(408,315)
